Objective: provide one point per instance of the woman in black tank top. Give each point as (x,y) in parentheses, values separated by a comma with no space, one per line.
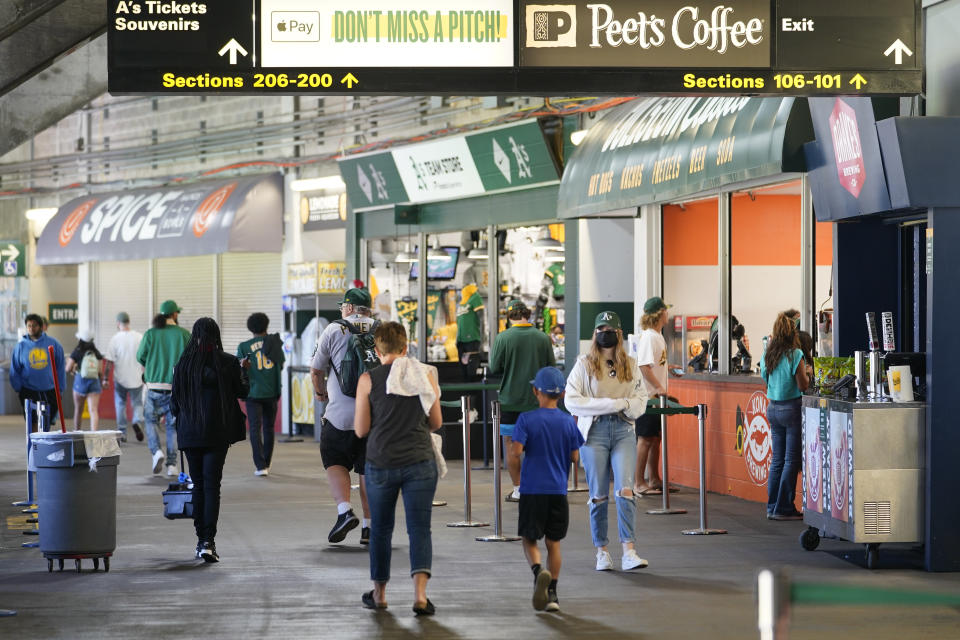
(400,459)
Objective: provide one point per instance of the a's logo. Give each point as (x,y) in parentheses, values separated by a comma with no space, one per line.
(365,185)
(501,161)
(606,316)
(73,221)
(38,358)
(207,210)
(551,25)
(758,449)
(846,147)
(741,432)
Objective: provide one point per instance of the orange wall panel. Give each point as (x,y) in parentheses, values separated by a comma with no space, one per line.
(765,230)
(824,240)
(690,233)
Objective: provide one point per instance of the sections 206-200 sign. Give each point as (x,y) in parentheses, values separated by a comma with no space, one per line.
(475,47)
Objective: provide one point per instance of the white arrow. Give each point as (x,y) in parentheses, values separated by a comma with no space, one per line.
(233,47)
(11,251)
(898,49)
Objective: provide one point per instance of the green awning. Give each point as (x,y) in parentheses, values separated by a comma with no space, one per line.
(661,149)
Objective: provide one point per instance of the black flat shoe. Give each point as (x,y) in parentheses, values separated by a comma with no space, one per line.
(426,610)
(370,603)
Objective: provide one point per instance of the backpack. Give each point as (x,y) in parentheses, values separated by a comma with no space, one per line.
(358,358)
(90,366)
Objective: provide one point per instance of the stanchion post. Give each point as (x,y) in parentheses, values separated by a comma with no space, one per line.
(467,515)
(497,514)
(665,510)
(28,415)
(702,430)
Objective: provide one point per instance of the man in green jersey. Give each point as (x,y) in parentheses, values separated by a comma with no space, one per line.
(262,357)
(517,354)
(159,351)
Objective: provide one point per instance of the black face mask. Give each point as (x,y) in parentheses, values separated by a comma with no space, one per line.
(607,339)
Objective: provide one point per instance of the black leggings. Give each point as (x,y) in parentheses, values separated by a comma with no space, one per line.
(206,470)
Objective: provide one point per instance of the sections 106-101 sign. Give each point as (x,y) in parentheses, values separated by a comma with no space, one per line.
(476,47)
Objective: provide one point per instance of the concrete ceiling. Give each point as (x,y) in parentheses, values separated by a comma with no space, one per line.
(53,60)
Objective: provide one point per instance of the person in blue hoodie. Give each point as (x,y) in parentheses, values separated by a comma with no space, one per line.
(30,373)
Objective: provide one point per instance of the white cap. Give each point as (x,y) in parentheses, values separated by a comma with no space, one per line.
(85,334)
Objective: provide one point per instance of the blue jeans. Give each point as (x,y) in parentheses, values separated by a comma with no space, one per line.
(418,482)
(611,444)
(120,394)
(785,430)
(261,414)
(157,405)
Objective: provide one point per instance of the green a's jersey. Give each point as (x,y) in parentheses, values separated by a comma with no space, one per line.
(556,275)
(517,354)
(468,324)
(264,371)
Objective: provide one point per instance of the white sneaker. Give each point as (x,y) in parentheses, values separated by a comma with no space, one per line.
(158,460)
(631,560)
(172,470)
(262,472)
(604,562)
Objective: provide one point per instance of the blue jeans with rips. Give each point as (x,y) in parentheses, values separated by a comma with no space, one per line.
(157,405)
(418,483)
(611,445)
(120,394)
(786,433)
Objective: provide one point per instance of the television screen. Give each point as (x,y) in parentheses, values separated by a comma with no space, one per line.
(439,268)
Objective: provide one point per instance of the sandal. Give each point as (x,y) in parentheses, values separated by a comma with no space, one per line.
(650,491)
(370,603)
(425,610)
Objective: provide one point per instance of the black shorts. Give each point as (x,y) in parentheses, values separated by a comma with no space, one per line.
(468,347)
(647,426)
(342,448)
(543,515)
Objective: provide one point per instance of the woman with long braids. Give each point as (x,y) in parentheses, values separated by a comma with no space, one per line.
(787,376)
(606,392)
(207,384)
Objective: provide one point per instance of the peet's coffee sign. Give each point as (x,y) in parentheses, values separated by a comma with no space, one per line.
(662,33)
(241,214)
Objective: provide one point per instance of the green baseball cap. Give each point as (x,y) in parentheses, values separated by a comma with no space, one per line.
(609,318)
(169,307)
(655,304)
(358,298)
(516,306)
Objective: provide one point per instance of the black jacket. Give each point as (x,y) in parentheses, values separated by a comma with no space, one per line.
(218,430)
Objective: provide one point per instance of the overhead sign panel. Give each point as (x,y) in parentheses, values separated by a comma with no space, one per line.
(476,47)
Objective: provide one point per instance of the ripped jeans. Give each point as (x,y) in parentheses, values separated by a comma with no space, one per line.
(611,444)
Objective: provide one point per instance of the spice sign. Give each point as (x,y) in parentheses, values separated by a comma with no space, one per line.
(331,277)
(846,147)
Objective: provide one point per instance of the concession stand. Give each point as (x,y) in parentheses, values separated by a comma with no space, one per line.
(213,246)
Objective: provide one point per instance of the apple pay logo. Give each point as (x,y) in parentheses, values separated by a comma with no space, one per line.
(551,25)
(295,26)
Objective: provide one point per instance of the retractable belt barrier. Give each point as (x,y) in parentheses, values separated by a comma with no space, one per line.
(41,410)
(468,520)
(497,515)
(663,410)
(776,594)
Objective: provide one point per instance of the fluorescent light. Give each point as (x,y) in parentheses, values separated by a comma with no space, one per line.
(318,184)
(577,136)
(555,257)
(406,256)
(43,215)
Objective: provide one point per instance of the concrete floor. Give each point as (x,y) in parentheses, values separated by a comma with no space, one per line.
(279,578)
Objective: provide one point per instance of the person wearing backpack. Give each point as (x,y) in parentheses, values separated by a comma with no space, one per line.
(344,352)
(86,363)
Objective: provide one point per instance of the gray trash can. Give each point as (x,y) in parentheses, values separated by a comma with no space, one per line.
(77,495)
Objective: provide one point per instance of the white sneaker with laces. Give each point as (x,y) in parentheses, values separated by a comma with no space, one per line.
(604,562)
(158,460)
(262,472)
(631,560)
(172,470)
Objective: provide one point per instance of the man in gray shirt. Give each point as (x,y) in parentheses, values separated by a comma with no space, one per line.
(340,448)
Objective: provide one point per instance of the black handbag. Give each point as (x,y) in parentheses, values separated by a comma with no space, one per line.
(178,498)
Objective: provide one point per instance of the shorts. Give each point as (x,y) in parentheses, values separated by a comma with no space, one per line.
(647,426)
(468,347)
(342,448)
(84,386)
(543,515)
(508,420)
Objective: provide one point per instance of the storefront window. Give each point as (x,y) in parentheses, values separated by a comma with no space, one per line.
(691,278)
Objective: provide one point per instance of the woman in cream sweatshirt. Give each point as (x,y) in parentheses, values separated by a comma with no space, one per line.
(606,393)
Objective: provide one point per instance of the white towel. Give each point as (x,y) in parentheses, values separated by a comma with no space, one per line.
(409,377)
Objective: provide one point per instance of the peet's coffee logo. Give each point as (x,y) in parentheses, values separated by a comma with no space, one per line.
(716,29)
(846,147)
(73,222)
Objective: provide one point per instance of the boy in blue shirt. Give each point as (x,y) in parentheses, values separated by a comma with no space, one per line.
(549,440)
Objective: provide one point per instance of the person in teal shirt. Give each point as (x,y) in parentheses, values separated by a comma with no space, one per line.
(262,357)
(787,376)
